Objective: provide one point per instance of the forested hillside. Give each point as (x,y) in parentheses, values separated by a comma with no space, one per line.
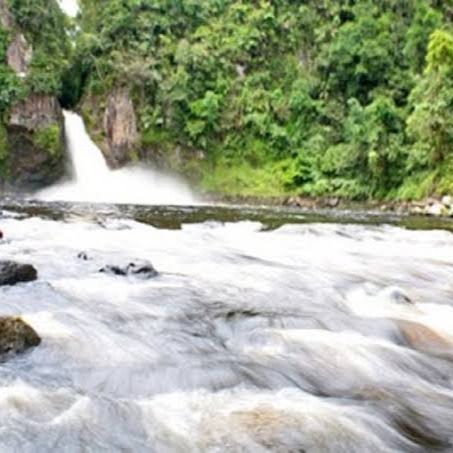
(317,97)
(35,53)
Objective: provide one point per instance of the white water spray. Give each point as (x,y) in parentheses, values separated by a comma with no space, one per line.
(94,182)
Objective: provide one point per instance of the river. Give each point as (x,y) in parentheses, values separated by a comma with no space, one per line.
(265,330)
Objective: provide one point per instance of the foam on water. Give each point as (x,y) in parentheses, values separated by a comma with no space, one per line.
(93,181)
(327,338)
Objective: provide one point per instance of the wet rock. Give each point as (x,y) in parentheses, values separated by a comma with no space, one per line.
(416,210)
(144,270)
(425,339)
(332,202)
(396,295)
(436,209)
(16,336)
(12,273)
(300,202)
(447,200)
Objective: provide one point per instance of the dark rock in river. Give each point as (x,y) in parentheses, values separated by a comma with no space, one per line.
(12,273)
(83,256)
(16,336)
(143,270)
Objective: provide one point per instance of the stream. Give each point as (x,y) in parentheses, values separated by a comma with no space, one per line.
(265,330)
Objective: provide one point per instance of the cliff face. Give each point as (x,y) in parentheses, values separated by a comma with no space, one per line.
(5,15)
(112,124)
(32,138)
(35,143)
(120,127)
(19,55)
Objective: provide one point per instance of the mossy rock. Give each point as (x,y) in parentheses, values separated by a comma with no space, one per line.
(16,336)
(49,140)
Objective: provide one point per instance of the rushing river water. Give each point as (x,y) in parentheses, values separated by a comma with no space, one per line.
(269,332)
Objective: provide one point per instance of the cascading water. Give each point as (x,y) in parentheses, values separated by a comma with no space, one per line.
(93,181)
(308,338)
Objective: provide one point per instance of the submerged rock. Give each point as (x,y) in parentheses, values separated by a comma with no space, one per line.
(83,256)
(16,336)
(425,339)
(143,270)
(12,273)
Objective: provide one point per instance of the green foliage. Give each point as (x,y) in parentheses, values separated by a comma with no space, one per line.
(3,143)
(430,124)
(352,98)
(46,28)
(49,139)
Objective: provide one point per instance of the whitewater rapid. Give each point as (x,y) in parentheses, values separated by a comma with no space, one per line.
(93,181)
(317,338)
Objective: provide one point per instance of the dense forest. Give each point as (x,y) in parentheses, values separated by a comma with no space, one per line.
(315,97)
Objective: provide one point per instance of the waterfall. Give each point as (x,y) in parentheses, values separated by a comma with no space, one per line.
(70,7)
(93,181)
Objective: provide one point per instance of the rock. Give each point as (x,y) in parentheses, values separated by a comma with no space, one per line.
(436,210)
(16,336)
(38,111)
(6,20)
(416,210)
(447,201)
(12,273)
(396,295)
(332,202)
(35,140)
(19,55)
(1,234)
(120,127)
(83,256)
(425,339)
(144,270)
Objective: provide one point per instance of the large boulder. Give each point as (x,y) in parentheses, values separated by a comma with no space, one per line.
(12,273)
(16,336)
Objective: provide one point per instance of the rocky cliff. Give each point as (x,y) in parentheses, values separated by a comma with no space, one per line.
(112,123)
(31,130)
(35,143)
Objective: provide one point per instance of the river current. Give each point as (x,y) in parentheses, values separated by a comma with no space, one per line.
(264,331)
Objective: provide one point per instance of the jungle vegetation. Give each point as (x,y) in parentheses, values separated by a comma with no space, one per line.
(316,97)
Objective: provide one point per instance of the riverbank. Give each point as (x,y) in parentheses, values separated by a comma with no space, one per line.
(430,207)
